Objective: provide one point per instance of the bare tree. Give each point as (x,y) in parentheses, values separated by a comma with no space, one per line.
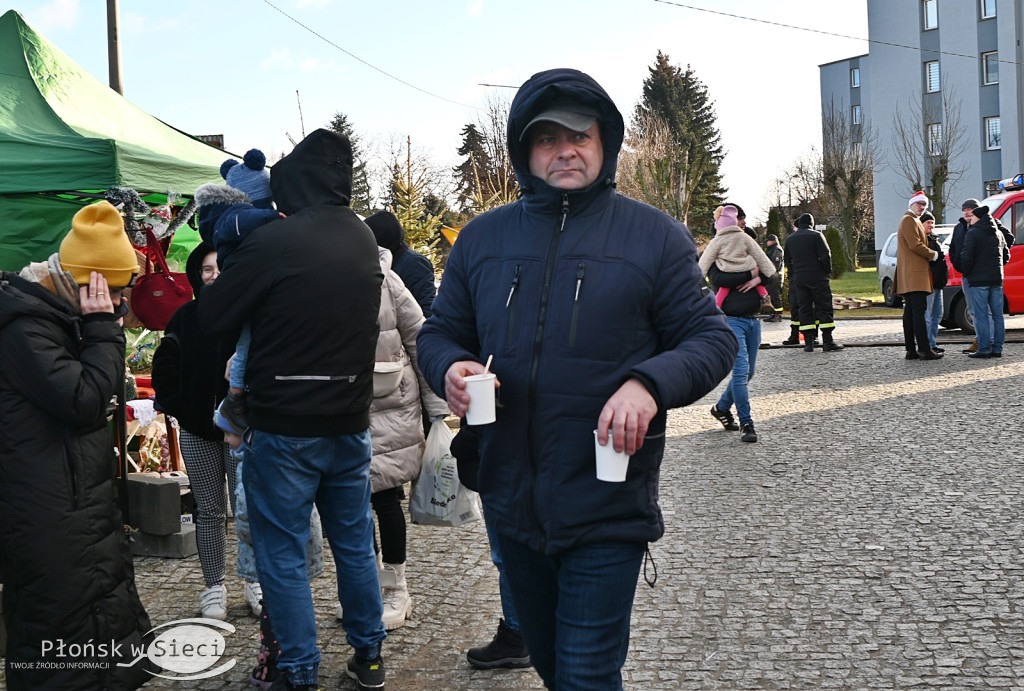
(655,169)
(799,190)
(928,142)
(848,156)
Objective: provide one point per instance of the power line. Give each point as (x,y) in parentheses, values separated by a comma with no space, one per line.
(825,33)
(372,67)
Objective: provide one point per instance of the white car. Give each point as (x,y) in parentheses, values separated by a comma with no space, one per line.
(887,263)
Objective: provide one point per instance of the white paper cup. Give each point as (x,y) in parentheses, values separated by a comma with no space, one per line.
(611,465)
(480,388)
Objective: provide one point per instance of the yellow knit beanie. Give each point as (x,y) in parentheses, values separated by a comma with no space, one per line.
(97,242)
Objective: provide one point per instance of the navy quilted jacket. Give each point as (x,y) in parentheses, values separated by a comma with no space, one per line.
(573,293)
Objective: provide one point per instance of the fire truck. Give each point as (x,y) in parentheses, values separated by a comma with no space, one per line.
(1007,204)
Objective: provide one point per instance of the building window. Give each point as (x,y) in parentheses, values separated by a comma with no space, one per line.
(855,115)
(931,70)
(931,14)
(855,77)
(993,133)
(935,139)
(990,67)
(988,9)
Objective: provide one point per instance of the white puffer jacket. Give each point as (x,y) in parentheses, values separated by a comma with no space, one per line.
(396,425)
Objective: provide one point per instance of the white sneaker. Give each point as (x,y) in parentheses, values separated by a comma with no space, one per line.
(253,595)
(339,613)
(214,602)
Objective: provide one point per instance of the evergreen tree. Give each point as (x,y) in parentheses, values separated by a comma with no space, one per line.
(361,202)
(838,249)
(774,225)
(475,169)
(681,101)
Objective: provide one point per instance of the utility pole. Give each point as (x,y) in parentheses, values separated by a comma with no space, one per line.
(113,47)
(302,123)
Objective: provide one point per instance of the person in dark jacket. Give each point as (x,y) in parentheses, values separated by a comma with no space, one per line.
(188,376)
(591,304)
(777,257)
(809,263)
(940,275)
(956,244)
(415,270)
(65,561)
(983,256)
(309,286)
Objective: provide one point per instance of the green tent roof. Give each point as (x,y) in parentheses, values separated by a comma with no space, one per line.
(61,129)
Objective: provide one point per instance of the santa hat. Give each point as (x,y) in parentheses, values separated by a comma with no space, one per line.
(919,197)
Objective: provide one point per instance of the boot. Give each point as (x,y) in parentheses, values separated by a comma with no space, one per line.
(810,337)
(266,672)
(235,410)
(505,650)
(973,348)
(828,345)
(395,593)
(794,336)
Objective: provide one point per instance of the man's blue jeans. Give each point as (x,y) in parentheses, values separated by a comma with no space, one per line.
(748,333)
(933,315)
(283,476)
(574,609)
(989,326)
(508,607)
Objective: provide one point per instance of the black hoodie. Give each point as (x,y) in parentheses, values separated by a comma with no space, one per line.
(984,252)
(309,286)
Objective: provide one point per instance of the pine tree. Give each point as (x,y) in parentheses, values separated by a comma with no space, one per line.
(474,168)
(774,225)
(361,202)
(410,189)
(682,102)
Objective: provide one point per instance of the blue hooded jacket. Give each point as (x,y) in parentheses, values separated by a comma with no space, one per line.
(573,292)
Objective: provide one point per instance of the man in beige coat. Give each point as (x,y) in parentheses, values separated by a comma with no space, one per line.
(914,279)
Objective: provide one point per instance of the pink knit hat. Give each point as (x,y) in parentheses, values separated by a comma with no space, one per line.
(728,218)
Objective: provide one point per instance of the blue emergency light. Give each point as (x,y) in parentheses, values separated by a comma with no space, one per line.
(1014,183)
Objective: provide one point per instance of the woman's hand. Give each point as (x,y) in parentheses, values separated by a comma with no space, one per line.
(95,297)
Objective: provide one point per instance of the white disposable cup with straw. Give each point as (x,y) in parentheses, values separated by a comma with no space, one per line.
(611,464)
(480,388)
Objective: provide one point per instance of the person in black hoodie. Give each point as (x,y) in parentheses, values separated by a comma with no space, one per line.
(940,275)
(65,561)
(415,270)
(983,256)
(309,286)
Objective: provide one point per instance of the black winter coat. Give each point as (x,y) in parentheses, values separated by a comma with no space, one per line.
(188,367)
(807,256)
(417,273)
(940,272)
(64,556)
(309,286)
(984,254)
(956,243)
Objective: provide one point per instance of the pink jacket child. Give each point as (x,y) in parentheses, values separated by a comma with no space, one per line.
(733,251)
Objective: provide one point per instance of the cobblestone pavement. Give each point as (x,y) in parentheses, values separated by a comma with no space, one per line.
(871,539)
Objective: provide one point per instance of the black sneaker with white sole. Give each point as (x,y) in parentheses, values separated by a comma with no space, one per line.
(369,674)
(725,417)
(748,433)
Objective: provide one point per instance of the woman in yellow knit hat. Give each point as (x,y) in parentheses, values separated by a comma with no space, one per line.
(64,559)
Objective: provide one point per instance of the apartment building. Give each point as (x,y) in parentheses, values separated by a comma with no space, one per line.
(920,52)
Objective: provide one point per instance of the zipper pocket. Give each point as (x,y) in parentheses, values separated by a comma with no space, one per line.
(69,468)
(580,271)
(510,308)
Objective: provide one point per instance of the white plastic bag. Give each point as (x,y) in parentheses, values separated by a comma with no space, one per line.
(438,498)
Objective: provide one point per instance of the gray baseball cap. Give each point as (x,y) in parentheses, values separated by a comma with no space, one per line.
(576,116)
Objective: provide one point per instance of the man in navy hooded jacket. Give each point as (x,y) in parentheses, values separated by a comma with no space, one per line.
(590,304)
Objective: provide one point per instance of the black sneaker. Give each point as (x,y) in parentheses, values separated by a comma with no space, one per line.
(725,417)
(748,433)
(505,650)
(369,674)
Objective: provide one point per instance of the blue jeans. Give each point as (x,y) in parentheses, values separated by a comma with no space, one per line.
(237,375)
(748,333)
(933,315)
(283,476)
(987,304)
(508,607)
(574,609)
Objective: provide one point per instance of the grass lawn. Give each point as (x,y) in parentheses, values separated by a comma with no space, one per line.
(863,284)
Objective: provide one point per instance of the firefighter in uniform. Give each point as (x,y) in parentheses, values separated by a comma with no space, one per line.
(809,264)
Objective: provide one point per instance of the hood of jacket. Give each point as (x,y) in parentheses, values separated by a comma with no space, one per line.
(213,200)
(318,171)
(538,93)
(194,266)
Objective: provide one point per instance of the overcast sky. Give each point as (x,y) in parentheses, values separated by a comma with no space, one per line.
(233,67)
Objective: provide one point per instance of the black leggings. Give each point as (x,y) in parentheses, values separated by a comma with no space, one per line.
(387,504)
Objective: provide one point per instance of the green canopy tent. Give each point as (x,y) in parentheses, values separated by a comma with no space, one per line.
(65,137)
